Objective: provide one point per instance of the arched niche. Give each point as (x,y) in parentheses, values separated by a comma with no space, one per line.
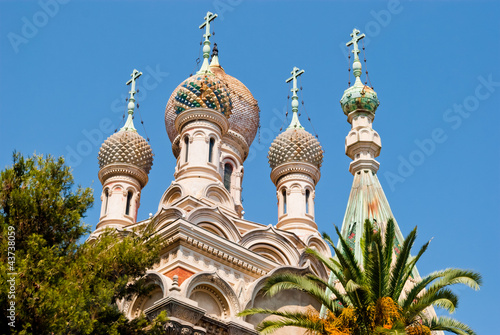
(213,220)
(219,195)
(270,252)
(171,196)
(269,239)
(213,294)
(212,300)
(213,228)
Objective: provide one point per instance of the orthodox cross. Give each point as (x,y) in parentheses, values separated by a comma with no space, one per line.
(295,99)
(205,67)
(208,18)
(129,124)
(135,74)
(354,42)
(295,73)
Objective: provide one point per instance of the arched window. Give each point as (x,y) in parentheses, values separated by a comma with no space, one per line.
(129,202)
(308,193)
(211,149)
(283,193)
(186,148)
(106,198)
(228,171)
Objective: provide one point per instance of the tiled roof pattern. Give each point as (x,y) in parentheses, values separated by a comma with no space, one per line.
(126,147)
(295,145)
(244,118)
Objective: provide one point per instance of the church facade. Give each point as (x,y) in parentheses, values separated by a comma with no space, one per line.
(215,261)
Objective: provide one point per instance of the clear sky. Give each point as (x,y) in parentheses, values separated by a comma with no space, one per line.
(434,65)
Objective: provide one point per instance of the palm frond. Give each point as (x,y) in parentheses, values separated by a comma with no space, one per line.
(450,325)
(290,281)
(294,319)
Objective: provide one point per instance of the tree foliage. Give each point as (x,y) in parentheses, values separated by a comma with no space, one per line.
(378,296)
(62,287)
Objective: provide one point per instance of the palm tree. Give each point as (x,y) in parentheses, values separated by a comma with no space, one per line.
(379,296)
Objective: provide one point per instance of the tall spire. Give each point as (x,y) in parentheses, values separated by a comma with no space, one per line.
(295,124)
(356,66)
(129,125)
(205,67)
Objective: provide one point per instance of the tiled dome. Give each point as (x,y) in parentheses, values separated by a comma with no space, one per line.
(359,96)
(198,91)
(295,145)
(126,147)
(244,118)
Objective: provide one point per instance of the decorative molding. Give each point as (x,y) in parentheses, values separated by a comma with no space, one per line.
(118,170)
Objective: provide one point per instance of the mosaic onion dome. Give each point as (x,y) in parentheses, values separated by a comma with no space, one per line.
(126,147)
(295,145)
(199,91)
(244,118)
(359,96)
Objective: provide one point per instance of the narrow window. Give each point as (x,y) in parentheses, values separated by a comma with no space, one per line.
(307,200)
(228,171)
(129,201)
(284,200)
(106,198)
(186,148)
(211,149)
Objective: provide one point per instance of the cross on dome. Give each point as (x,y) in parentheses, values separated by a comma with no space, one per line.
(295,99)
(129,125)
(208,18)
(205,67)
(354,42)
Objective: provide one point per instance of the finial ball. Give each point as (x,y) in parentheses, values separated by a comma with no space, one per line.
(295,103)
(206,48)
(131,105)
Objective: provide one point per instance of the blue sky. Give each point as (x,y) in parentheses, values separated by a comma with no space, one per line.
(434,65)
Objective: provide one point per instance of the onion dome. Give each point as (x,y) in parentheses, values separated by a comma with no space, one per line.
(203,91)
(126,147)
(244,117)
(295,145)
(358,96)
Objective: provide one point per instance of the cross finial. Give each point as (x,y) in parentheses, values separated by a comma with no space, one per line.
(129,125)
(354,42)
(206,44)
(295,98)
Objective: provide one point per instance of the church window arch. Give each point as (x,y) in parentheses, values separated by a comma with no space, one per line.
(228,173)
(129,202)
(211,145)
(186,149)
(106,200)
(308,195)
(283,195)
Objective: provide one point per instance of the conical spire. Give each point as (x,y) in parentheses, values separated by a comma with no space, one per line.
(205,67)
(129,124)
(295,124)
